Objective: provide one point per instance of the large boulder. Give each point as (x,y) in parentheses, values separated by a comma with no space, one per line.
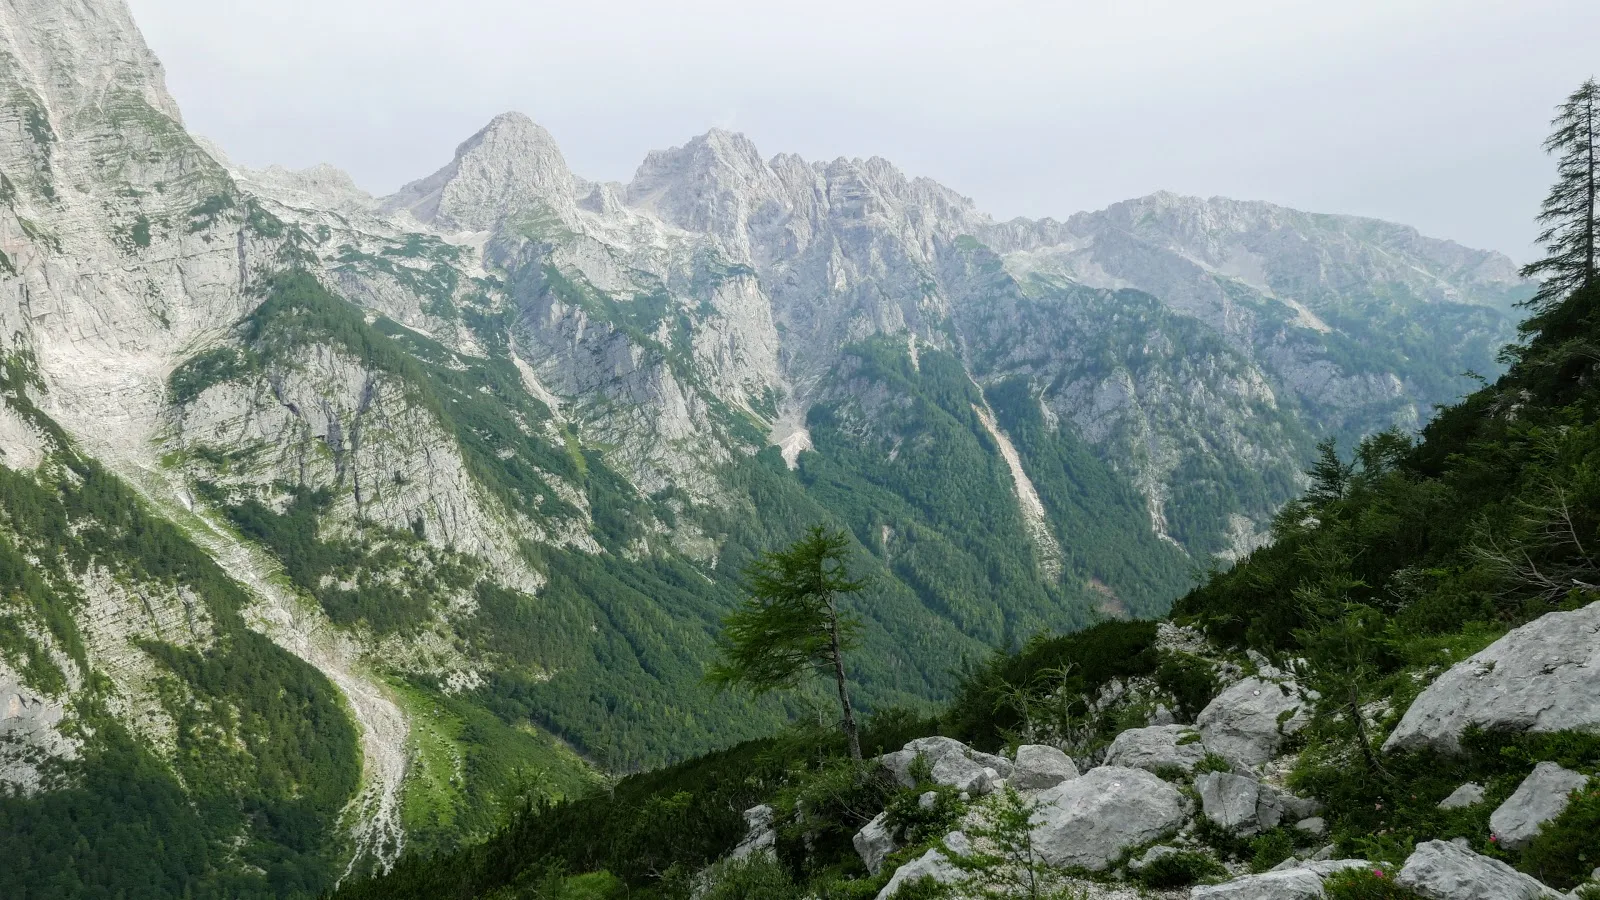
(950,760)
(1157,747)
(1039,767)
(875,841)
(1541,797)
(1440,870)
(1542,677)
(1301,883)
(1090,820)
(1246,723)
(933,864)
(1245,806)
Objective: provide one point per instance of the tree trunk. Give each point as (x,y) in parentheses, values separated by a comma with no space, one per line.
(837,652)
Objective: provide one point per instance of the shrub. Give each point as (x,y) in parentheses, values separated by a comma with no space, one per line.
(1179,870)
(757,877)
(1270,848)
(1566,850)
(1366,884)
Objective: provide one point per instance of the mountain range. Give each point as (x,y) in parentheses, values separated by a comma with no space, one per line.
(334,524)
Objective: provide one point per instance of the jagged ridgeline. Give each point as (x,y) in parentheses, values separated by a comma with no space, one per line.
(336,526)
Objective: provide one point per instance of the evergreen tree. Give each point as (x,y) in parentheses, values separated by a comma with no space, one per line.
(1568,214)
(791,623)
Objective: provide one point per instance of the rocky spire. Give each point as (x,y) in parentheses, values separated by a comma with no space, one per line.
(512,166)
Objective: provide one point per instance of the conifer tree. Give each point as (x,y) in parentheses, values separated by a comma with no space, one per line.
(1568,214)
(791,624)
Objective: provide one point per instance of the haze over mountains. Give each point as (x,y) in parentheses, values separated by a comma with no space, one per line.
(340,510)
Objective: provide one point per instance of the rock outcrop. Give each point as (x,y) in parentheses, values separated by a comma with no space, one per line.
(1300,883)
(1542,677)
(1440,870)
(1247,722)
(1156,748)
(1542,796)
(1090,820)
(1039,767)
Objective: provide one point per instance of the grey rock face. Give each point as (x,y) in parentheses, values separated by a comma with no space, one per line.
(1541,797)
(1316,826)
(874,842)
(1157,747)
(933,864)
(1246,806)
(1039,767)
(1467,795)
(1301,883)
(1091,819)
(1246,723)
(1237,803)
(1439,870)
(760,835)
(1542,677)
(950,762)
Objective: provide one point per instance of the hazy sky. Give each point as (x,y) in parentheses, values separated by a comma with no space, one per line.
(1428,112)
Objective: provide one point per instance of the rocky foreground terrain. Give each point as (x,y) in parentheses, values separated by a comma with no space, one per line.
(335,525)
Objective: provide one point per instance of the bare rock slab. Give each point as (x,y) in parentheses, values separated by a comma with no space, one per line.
(1542,677)
(1091,819)
(1440,870)
(1247,723)
(1039,767)
(1541,797)
(1157,747)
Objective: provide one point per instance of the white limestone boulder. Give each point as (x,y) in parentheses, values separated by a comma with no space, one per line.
(760,836)
(1469,794)
(1542,677)
(934,864)
(1090,820)
(1157,747)
(1247,807)
(1247,723)
(874,842)
(1440,870)
(1301,883)
(1542,796)
(950,761)
(1040,767)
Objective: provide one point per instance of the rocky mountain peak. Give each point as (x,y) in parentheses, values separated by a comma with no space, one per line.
(511,166)
(76,54)
(714,184)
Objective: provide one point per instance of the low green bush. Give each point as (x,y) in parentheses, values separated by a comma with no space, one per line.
(1366,884)
(1179,870)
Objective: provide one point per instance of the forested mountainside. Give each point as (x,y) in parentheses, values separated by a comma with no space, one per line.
(338,525)
(1398,698)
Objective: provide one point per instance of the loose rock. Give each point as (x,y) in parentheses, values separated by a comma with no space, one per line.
(1542,677)
(1245,806)
(1301,883)
(1439,870)
(1088,821)
(874,842)
(1157,747)
(1246,723)
(1039,767)
(949,760)
(1469,794)
(1541,797)
(933,864)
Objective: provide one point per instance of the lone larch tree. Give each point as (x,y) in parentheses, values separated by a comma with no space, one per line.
(790,624)
(1568,214)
